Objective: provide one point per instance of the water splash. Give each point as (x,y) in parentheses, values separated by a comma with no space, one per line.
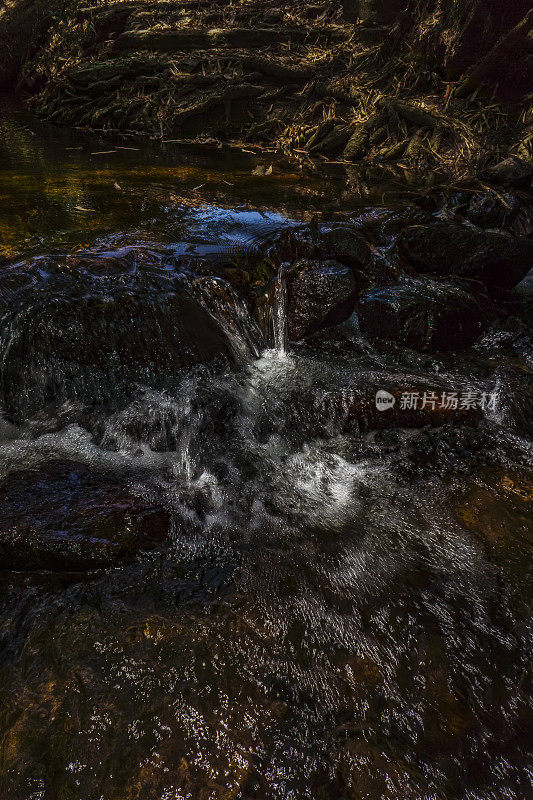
(226,307)
(279,311)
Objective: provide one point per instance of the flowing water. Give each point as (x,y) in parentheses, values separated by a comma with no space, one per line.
(336,608)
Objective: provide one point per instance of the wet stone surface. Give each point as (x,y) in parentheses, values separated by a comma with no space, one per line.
(88,337)
(497,260)
(424,314)
(64,517)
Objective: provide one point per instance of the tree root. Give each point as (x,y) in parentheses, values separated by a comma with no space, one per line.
(410,113)
(516,42)
(360,137)
(276,69)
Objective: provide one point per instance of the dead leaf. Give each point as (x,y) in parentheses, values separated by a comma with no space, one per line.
(81,208)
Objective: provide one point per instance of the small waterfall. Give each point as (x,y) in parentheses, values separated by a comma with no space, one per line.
(225,306)
(279,311)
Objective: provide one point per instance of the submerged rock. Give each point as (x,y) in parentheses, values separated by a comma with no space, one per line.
(66,517)
(497,508)
(498,260)
(423,314)
(408,403)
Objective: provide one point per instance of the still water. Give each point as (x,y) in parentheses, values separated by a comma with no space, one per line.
(221,581)
(67,190)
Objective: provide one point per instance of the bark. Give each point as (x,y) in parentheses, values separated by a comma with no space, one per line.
(360,137)
(336,139)
(515,45)
(223,98)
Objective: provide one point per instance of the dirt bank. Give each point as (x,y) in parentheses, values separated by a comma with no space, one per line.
(429,85)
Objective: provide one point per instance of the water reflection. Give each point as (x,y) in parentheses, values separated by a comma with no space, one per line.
(59,189)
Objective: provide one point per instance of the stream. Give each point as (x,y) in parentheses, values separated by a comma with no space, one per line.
(224,573)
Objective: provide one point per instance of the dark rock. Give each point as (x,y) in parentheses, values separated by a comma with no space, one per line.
(514,396)
(381,226)
(511,338)
(411,403)
(225,306)
(319,294)
(90,339)
(448,450)
(498,260)
(513,171)
(423,314)
(65,517)
(345,244)
(507,212)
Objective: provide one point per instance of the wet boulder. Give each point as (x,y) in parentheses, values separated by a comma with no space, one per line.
(511,172)
(381,226)
(224,304)
(423,314)
(91,339)
(319,294)
(514,392)
(509,212)
(345,244)
(316,295)
(380,401)
(444,247)
(64,516)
